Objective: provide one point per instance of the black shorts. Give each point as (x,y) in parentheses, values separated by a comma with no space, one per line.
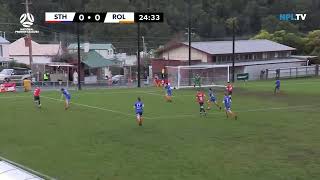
(229,92)
(201,104)
(36,98)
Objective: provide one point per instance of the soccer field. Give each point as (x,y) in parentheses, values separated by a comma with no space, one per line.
(275,137)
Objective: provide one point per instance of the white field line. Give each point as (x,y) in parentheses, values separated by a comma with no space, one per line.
(93,107)
(13,97)
(189,115)
(110,93)
(249,110)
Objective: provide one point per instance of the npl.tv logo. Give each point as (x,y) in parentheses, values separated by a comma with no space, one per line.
(292,17)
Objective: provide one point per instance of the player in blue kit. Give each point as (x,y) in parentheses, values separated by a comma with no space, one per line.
(277,87)
(227,105)
(138,106)
(212,99)
(168,92)
(67,97)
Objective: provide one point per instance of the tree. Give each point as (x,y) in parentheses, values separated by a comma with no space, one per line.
(269,23)
(313,43)
(263,34)
(14,63)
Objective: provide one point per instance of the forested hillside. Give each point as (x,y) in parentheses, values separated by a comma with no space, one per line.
(209,20)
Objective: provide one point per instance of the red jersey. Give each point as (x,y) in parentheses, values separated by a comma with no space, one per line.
(36,92)
(229,88)
(200,97)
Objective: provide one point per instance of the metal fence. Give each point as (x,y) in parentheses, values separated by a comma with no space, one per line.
(293,72)
(100,84)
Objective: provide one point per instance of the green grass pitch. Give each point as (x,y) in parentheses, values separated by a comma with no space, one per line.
(275,137)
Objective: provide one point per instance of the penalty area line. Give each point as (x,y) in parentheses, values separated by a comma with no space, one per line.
(93,107)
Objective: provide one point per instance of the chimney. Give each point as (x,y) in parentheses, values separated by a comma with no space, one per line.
(86,46)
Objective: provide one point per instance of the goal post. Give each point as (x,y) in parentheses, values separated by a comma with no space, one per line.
(209,75)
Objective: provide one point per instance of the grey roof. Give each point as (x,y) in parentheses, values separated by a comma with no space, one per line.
(241,46)
(3,41)
(92,46)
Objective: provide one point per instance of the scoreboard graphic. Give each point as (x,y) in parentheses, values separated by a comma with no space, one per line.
(108,17)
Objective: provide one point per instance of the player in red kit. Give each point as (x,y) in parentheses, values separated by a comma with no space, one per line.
(200,97)
(36,96)
(229,89)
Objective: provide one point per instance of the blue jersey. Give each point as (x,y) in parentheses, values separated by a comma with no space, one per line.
(212,96)
(227,102)
(138,106)
(66,94)
(169,90)
(278,83)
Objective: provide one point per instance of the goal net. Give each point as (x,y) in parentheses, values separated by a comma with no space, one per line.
(208,75)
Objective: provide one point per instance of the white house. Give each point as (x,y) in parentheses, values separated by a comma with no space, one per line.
(105,50)
(4,49)
(41,53)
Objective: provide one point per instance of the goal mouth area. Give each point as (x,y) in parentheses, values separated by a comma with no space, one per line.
(201,75)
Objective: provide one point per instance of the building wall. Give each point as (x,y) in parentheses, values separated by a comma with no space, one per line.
(106,53)
(254,71)
(227,58)
(5,50)
(159,64)
(36,59)
(131,60)
(181,53)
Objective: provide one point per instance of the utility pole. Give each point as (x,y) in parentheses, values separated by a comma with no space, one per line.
(233,48)
(189,38)
(79,60)
(139,84)
(144,45)
(29,38)
(188,33)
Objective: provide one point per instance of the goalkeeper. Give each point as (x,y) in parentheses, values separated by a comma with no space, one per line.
(197,80)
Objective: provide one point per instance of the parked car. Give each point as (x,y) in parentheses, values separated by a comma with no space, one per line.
(117,78)
(15,74)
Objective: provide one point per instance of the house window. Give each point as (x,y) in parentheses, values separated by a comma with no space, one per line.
(214,59)
(242,57)
(271,55)
(264,55)
(258,56)
(223,58)
(1,52)
(228,58)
